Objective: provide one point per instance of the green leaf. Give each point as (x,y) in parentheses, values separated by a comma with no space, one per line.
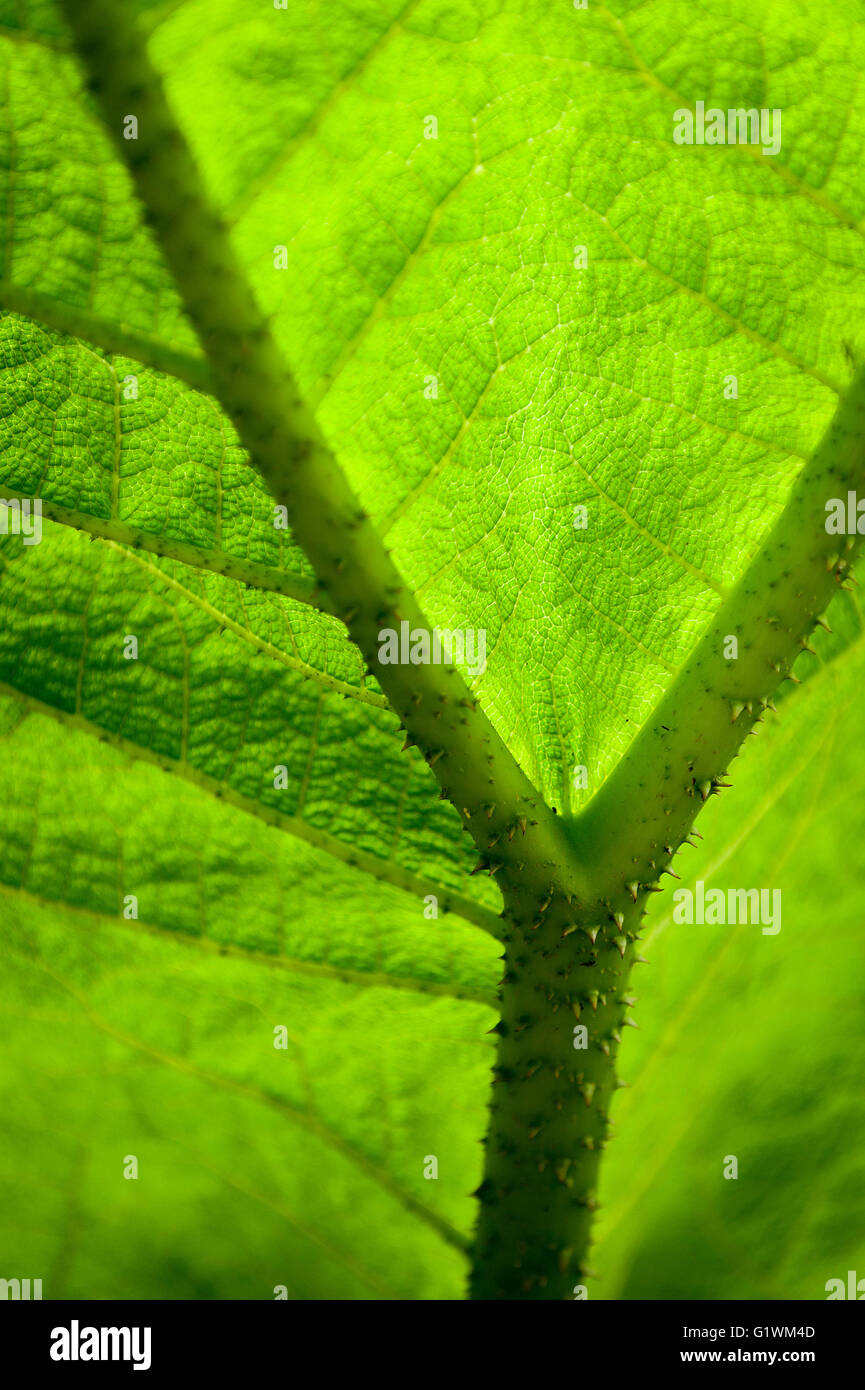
(749,1044)
(477,381)
(154,1037)
(245,694)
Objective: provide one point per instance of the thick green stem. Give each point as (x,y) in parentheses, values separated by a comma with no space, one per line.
(563,1006)
(641,814)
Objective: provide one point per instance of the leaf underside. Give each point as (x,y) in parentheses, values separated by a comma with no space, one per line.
(409,259)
